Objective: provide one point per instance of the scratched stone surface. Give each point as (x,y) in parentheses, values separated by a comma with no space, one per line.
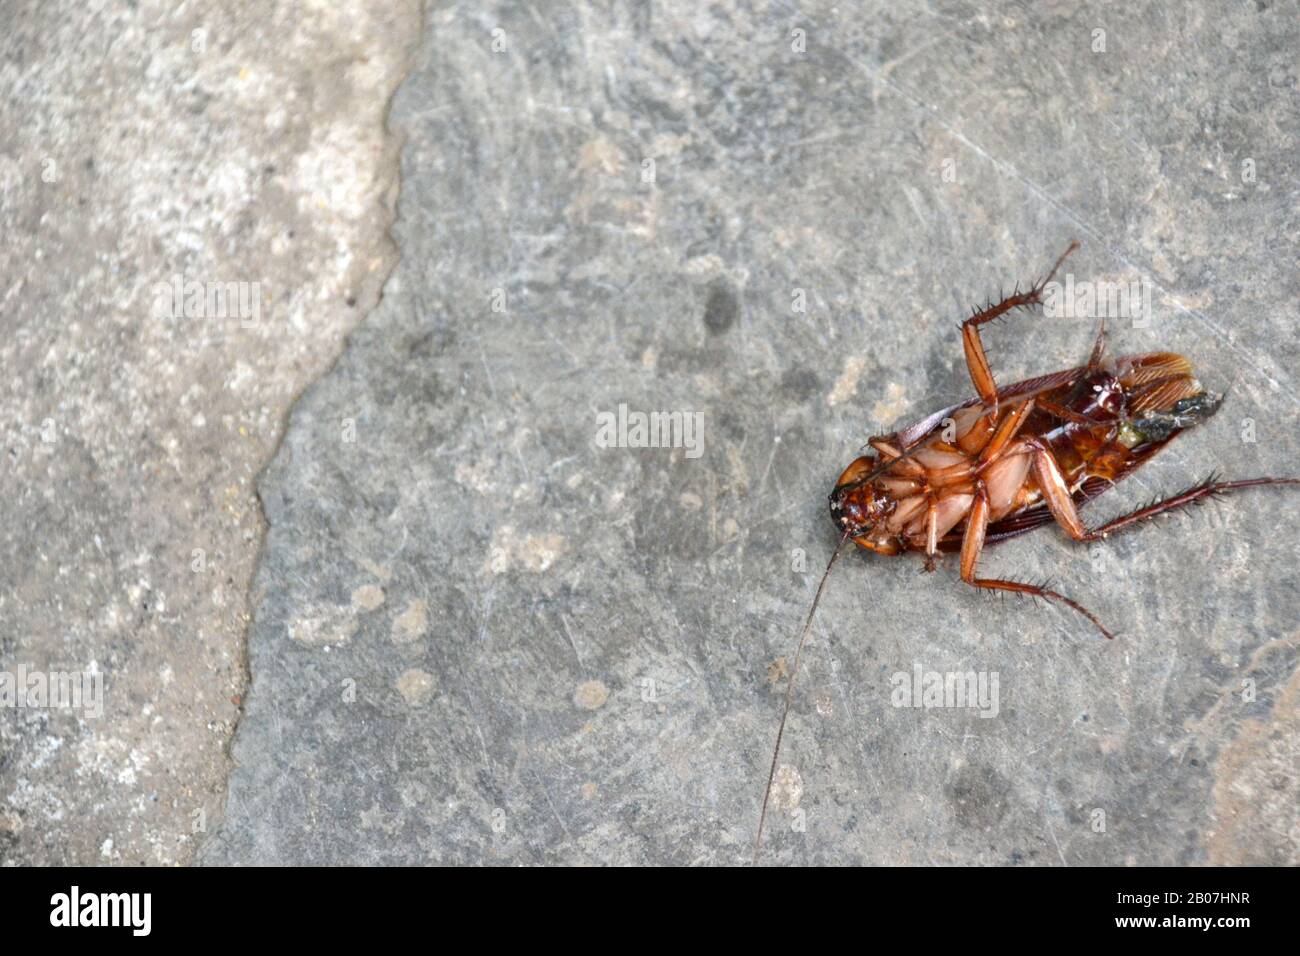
(482,636)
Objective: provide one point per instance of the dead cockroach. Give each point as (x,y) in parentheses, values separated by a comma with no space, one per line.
(1012,459)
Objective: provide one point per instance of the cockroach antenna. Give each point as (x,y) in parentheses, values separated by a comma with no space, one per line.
(789,691)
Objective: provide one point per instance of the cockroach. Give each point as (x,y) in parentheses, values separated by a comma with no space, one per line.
(1011,459)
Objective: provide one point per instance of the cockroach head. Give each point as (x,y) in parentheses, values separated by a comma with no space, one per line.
(857,507)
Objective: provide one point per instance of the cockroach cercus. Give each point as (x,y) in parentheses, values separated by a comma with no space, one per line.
(1012,459)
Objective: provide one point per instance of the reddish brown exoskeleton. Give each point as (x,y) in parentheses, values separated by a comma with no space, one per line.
(1012,459)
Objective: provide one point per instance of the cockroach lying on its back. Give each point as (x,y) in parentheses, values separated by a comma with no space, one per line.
(1014,458)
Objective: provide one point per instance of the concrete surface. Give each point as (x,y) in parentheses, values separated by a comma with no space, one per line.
(481,635)
(218,142)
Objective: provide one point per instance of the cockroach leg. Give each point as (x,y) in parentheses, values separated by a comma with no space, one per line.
(998,443)
(1066,414)
(962,471)
(890,454)
(1196,493)
(973,543)
(1037,590)
(931,535)
(1057,497)
(1055,489)
(903,465)
(1007,430)
(886,448)
(977,362)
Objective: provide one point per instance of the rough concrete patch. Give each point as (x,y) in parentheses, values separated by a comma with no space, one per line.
(847,384)
(1257,792)
(368,597)
(887,410)
(325,626)
(411,624)
(528,552)
(159,147)
(415,686)
(591,695)
(787,788)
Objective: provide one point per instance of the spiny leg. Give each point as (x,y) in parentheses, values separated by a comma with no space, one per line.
(993,448)
(984,442)
(1006,431)
(1056,495)
(973,543)
(1069,414)
(931,534)
(976,361)
(1055,489)
(890,453)
(1193,495)
(887,449)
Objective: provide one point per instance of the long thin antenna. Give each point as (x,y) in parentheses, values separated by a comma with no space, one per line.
(789,690)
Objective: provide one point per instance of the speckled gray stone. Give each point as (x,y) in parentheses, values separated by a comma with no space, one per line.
(572,653)
(144,142)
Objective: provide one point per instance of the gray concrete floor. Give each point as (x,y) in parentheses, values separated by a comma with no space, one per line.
(475,634)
